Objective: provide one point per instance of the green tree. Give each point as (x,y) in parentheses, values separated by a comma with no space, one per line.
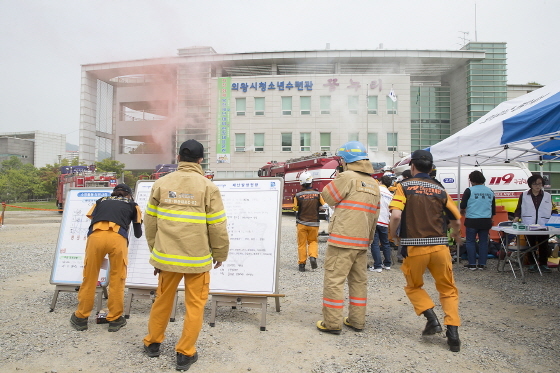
(20,182)
(109,165)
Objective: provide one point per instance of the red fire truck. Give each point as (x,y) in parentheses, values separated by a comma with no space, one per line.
(81,177)
(321,167)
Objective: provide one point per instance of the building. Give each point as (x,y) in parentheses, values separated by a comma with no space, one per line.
(36,147)
(251,108)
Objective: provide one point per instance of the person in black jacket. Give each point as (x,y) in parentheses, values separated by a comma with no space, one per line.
(108,235)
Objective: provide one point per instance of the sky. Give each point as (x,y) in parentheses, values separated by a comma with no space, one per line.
(44,43)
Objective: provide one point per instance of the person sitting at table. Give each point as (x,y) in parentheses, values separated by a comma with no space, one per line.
(478,205)
(535,207)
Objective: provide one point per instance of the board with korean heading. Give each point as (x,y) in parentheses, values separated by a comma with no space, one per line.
(253,209)
(68,262)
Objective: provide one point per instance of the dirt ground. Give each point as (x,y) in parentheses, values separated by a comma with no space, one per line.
(507,326)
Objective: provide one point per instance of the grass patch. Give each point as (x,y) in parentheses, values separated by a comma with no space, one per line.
(37,205)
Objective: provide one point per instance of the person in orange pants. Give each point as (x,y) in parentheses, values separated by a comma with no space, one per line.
(108,235)
(417,211)
(307,205)
(186,230)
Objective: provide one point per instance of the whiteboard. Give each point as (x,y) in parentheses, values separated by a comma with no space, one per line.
(253,209)
(70,251)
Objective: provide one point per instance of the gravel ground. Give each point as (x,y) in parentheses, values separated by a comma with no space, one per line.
(507,326)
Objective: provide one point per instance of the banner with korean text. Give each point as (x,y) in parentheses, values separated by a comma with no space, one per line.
(223,154)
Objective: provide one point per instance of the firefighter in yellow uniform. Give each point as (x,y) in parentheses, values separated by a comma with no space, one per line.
(356,196)
(108,235)
(186,230)
(307,205)
(418,209)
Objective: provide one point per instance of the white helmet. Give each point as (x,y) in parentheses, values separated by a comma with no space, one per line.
(305,178)
(387,168)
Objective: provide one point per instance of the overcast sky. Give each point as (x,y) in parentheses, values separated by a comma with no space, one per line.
(43,43)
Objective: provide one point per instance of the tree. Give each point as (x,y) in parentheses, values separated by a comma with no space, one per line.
(109,165)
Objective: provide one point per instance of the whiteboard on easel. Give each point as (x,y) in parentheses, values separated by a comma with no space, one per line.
(253,209)
(70,252)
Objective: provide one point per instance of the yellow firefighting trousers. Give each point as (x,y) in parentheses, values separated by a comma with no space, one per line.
(307,236)
(440,266)
(341,264)
(99,244)
(197,286)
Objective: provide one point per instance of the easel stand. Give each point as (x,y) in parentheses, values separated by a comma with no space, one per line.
(243,300)
(146,294)
(100,290)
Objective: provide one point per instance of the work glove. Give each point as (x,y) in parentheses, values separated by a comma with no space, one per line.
(404,251)
(137,229)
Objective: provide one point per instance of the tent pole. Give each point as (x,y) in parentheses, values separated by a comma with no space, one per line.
(459,181)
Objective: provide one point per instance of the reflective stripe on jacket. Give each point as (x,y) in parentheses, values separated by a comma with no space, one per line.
(355,194)
(185,222)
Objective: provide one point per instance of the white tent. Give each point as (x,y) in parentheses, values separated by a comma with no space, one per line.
(526,128)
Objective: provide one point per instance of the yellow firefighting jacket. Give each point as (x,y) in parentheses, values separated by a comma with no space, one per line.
(186,222)
(355,195)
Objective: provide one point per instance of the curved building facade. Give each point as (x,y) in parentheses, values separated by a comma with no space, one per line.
(251,108)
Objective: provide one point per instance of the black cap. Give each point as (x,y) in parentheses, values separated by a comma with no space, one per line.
(422,155)
(192,148)
(123,187)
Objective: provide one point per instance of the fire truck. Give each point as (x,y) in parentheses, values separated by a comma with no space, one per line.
(321,167)
(81,177)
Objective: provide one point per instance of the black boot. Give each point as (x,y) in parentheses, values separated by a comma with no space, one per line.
(432,326)
(302,267)
(453,340)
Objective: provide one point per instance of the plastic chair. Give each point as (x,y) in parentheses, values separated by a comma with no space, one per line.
(513,253)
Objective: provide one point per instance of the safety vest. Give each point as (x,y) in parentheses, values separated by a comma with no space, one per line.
(528,213)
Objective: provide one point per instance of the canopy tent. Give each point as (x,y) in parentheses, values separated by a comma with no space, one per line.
(526,128)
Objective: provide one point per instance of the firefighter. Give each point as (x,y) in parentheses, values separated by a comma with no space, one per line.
(417,210)
(356,196)
(108,235)
(307,205)
(186,230)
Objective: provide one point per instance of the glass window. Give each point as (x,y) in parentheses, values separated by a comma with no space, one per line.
(259,105)
(325,141)
(392,139)
(353,104)
(259,142)
(353,136)
(305,105)
(239,142)
(287,105)
(240,106)
(305,141)
(325,104)
(372,141)
(287,142)
(392,106)
(372,105)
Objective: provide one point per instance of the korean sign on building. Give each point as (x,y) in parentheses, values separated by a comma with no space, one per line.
(223,154)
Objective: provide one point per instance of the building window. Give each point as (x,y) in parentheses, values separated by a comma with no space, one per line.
(325,141)
(392,106)
(305,141)
(353,136)
(240,106)
(287,105)
(239,142)
(392,139)
(372,141)
(305,105)
(259,142)
(259,105)
(353,104)
(287,142)
(372,105)
(325,104)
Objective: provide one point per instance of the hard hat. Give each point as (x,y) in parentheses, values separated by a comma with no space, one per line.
(387,168)
(352,151)
(305,178)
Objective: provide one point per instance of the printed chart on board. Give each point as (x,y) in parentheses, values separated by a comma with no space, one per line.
(71,246)
(253,212)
